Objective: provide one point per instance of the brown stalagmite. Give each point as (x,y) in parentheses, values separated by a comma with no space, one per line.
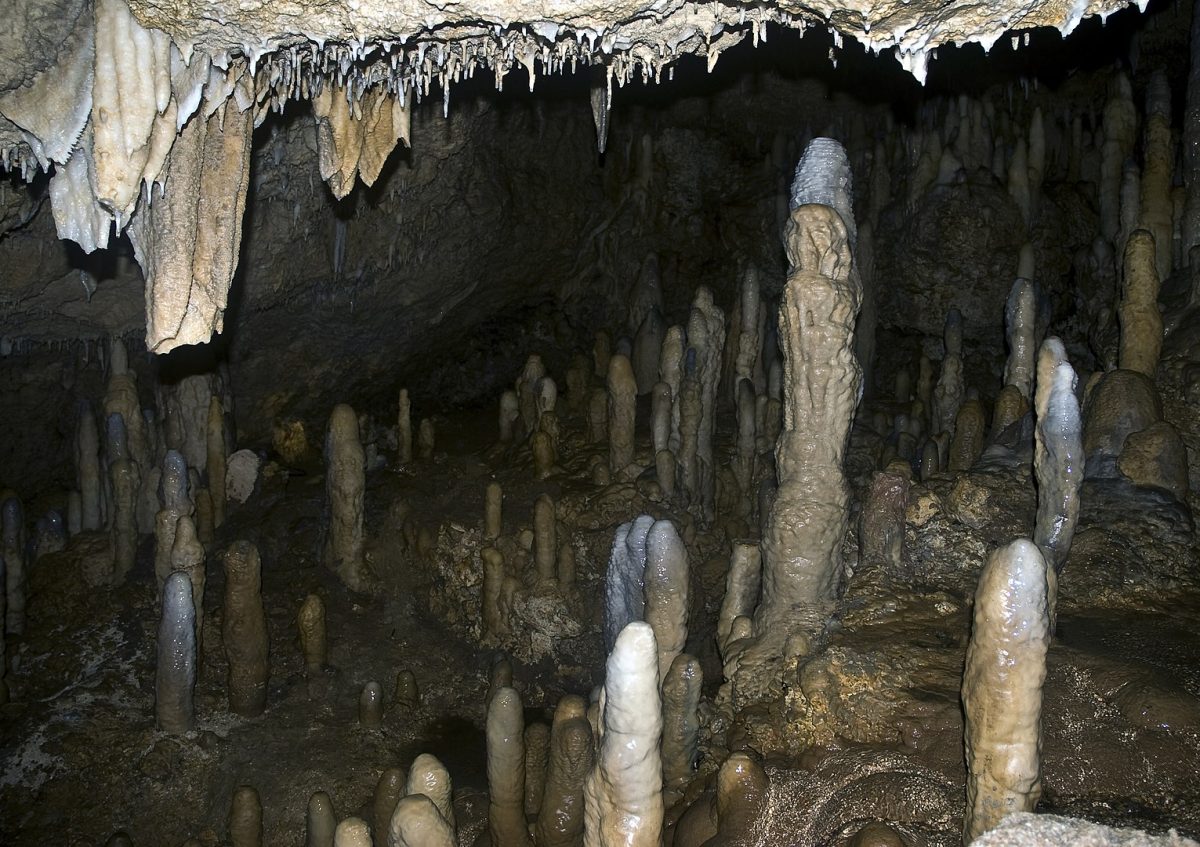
(495,625)
(493,501)
(622,408)
(670,372)
(404,435)
(310,621)
(320,821)
(345,479)
(537,752)
(426,437)
(691,412)
(1120,135)
(175,672)
(1010,407)
(560,823)
(681,721)
(1020,320)
(742,787)
(417,823)
(743,584)
(545,543)
(245,818)
(665,591)
(1158,156)
(969,430)
(244,631)
(802,539)
(87,467)
(187,555)
(506,769)
(948,393)
(661,402)
(216,459)
(746,441)
(1141,321)
(1002,687)
(388,791)
(126,481)
(370,706)
(706,335)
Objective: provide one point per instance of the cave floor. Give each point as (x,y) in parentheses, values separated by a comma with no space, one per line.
(870,728)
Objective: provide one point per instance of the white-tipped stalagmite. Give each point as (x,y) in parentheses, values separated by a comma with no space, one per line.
(706,335)
(624,598)
(216,459)
(1002,687)
(623,799)
(345,479)
(245,818)
(622,410)
(12,526)
(1141,321)
(310,622)
(320,821)
(665,590)
(743,584)
(1158,156)
(1057,460)
(352,832)
(545,540)
(1020,321)
(506,769)
(948,393)
(244,631)
(802,538)
(417,823)
(493,503)
(681,686)
(429,776)
(175,672)
(537,756)
(560,823)
(370,706)
(87,467)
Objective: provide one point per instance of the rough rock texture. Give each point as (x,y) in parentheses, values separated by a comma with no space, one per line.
(1024,829)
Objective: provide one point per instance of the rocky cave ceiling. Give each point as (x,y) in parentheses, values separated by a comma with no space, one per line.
(143,112)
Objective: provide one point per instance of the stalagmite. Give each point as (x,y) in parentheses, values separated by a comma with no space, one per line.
(742,787)
(404,435)
(624,599)
(493,500)
(660,416)
(175,504)
(670,372)
(425,439)
(749,343)
(541,446)
(244,631)
(370,706)
(623,801)
(622,408)
(743,584)
(87,467)
(1010,407)
(802,538)
(495,624)
(681,684)
(527,391)
(560,823)
(344,483)
(417,823)
(1058,458)
(691,412)
(882,522)
(320,821)
(665,590)
(706,335)
(1141,321)
(647,344)
(175,676)
(510,413)
(1120,133)
(188,241)
(388,791)
(352,832)
(187,556)
(1131,203)
(428,776)
(405,695)
(1002,687)
(1158,155)
(601,352)
(948,394)
(310,621)
(1191,151)
(245,818)
(12,535)
(537,752)
(545,544)
(970,428)
(746,440)
(216,460)
(506,769)
(1020,320)
(126,482)
(665,471)
(1018,181)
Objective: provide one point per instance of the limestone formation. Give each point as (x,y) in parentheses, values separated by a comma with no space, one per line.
(426,438)
(510,415)
(681,685)
(882,522)
(388,791)
(244,631)
(1020,321)
(506,769)
(428,776)
(690,404)
(1058,456)
(87,468)
(537,754)
(623,801)
(670,372)
(742,787)
(647,344)
(545,544)
(175,674)
(345,479)
(706,335)
(743,583)
(417,823)
(370,706)
(661,403)
(245,818)
(622,408)
(1002,687)
(970,429)
(187,556)
(1141,322)
(1158,156)
(948,393)
(624,600)
(216,460)
(352,832)
(665,591)
(560,823)
(310,622)
(493,501)
(802,538)
(320,821)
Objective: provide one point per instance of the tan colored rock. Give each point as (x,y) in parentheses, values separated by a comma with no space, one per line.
(1141,321)
(345,480)
(1155,457)
(969,429)
(1122,402)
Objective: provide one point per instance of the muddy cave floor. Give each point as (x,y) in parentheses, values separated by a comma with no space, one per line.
(869,728)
